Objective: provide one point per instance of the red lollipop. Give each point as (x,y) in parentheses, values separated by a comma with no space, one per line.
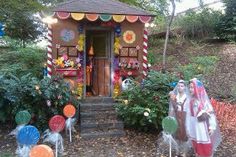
(57,123)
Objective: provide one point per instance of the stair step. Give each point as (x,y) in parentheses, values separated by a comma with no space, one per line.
(98,100)
(96,107)
(115,133)
(117,124)
(99,114)
(99,120)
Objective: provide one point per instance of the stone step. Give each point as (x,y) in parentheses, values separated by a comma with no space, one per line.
(102,134)
(99,120)
(98,100)
(98,115)
(109,125)
(96,107)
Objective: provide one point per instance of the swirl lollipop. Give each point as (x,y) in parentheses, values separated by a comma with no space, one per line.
(169,125)
(41,151)
(27,137)
(56,124)
(69,111)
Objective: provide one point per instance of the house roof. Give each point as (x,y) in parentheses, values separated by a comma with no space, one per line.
(99,7)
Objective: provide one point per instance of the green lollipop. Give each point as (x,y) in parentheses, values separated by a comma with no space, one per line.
(22,117)
(169,125)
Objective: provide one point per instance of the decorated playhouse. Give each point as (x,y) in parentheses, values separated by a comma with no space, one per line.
(97,44)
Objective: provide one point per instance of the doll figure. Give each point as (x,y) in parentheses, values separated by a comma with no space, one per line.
(202,127)
(178,108)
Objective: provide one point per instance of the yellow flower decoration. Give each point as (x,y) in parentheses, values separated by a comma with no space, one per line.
(129,37)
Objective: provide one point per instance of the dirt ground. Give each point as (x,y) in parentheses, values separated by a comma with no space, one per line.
(134,144)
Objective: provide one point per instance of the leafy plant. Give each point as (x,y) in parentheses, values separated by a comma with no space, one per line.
(198,67)
(145,105)
(42,98)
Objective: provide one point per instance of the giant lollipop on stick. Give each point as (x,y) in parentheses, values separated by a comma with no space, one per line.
(69,111)
(169,125)
(56,124)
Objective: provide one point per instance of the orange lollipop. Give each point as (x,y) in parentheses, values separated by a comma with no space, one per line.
(69,111)
(41,151)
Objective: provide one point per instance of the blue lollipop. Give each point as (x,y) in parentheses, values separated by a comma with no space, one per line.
(28,135)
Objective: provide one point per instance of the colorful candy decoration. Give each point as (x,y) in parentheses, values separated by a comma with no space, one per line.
(129,36)
(63,15)
(117,46)
(69,111)
(47,13)
(81,43)
(49,52)
(169,125)
(118,30)
(26,138)
(65,62)
(92,17)
(105,17)
(131,18)
(22,117)
(80,90)
(77,16)
(28,135)
(1,30)
(118,18)
(67,35)
(145,19)
(57,123)
(41,151)
(145,53)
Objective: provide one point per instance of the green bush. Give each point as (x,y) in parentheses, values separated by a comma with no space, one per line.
(198,67)
(21,61)
(150,96)
(42,98)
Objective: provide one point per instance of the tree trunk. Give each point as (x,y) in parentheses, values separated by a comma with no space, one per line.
(167,35)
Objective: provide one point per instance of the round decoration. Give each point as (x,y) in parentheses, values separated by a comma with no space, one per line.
(118,18)
(57,123)
(28,135)
(169,125)
(132,19)
(47,13)
(22,117)
(63,15)
(92,17)
(145,19)
(67,35)
(77,16)
(69,111)
(105,17)
(129,37)
(41,151)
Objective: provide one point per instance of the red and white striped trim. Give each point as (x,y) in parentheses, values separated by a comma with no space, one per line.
(49,52)
(145,53)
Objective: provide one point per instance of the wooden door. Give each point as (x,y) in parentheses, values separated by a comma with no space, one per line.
(101,75)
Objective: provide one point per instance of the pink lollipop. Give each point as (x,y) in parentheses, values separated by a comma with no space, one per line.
(57,123)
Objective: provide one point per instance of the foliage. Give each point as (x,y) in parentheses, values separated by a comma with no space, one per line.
(150,96)
(198,24)
(226,27)
(20,22)
(42,98)
(198,67)
(20,61)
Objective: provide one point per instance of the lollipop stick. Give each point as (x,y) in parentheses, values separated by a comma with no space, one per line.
(170,146)
(70,133)
(56,148)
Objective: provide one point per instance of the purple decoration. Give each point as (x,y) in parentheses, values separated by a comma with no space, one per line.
(116,63)
(67,35)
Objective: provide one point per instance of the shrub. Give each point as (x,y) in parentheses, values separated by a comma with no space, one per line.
(145,105)
(22,61)
(42,98)
(198,67)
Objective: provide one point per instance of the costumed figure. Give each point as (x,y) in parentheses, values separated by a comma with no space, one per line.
(178,106)
(202,126)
